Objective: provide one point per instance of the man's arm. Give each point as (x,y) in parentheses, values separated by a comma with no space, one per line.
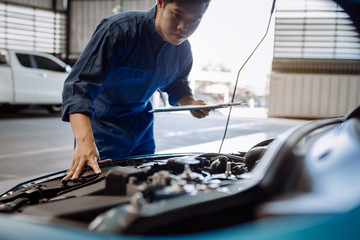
(85,152)
(189,100)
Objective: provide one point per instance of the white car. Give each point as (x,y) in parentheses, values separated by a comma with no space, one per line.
(31,78)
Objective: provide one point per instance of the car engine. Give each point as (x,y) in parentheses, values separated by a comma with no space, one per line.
(300,172)
(143,192)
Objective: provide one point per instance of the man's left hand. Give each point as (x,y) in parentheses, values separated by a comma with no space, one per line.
(199,113)
(189,100)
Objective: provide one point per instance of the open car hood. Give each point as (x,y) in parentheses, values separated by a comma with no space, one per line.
(311,170)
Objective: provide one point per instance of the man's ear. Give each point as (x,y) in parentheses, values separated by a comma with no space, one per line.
(160,4)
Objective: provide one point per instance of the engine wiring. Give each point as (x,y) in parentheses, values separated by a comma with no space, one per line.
(239,71)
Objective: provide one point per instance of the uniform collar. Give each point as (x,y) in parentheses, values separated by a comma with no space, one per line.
(151,13)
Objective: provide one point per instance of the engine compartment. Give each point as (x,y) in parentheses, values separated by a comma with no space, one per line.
(187,193)
(135,188)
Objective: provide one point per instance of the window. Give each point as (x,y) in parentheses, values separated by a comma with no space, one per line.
(24,59)
(47,64)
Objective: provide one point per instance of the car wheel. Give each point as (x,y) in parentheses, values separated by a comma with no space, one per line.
(54,108)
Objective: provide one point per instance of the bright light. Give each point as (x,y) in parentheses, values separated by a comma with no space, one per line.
(229,32)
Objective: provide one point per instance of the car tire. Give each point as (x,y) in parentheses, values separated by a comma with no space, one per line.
(54,109)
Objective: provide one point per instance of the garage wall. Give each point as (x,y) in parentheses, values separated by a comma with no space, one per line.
(137,5)
(59,27)
(48,4)
(316,64)
(85,15)
(34,28)
(312,95)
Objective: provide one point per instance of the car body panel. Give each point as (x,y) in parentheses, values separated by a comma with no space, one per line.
(337,226)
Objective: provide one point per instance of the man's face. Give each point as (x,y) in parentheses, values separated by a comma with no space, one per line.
(175,23)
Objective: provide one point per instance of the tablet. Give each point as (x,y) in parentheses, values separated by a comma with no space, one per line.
(196,107)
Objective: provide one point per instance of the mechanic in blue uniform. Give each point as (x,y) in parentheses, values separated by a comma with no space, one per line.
(131,55)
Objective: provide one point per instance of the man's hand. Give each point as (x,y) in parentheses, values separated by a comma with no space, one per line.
(189,100)
(85,153)
(199,113)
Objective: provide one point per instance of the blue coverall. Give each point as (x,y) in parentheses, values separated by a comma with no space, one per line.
(124,63)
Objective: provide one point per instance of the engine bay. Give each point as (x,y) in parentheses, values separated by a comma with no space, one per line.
(188,193)
(133,189)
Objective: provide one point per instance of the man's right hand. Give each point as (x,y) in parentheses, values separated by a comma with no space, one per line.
(85,153)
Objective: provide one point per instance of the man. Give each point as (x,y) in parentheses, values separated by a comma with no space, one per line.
(131,55)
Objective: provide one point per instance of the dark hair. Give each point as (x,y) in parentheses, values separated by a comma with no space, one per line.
(188,1)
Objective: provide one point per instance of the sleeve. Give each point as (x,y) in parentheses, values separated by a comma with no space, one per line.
(180,88)
(88,75)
